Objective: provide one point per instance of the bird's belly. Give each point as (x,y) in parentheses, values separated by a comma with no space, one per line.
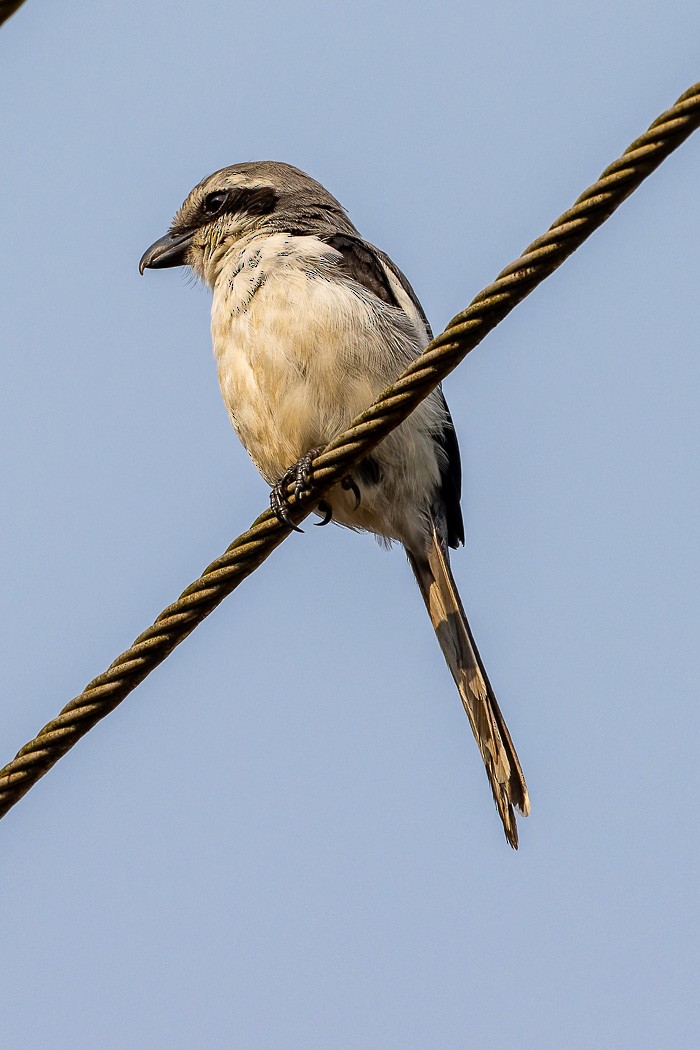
(291,373)
(296,366)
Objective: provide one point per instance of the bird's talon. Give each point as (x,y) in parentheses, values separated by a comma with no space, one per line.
(350,485)
(300,474)
(327,512)
(278,505)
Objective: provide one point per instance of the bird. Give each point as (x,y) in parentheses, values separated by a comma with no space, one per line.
(309,323)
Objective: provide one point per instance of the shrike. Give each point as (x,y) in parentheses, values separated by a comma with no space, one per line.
(309,324)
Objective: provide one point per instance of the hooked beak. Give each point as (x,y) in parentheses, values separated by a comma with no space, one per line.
(168,251)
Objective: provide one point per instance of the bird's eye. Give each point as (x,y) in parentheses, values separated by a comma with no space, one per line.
(214,203)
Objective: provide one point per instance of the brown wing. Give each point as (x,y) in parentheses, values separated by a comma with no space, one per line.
(368,266)
(360,261)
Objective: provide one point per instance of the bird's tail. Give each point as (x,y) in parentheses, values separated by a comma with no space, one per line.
(440,594)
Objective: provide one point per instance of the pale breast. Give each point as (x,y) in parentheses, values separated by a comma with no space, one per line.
(301,352)
(294,349)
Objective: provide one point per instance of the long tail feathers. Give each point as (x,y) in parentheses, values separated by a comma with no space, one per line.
(442,600)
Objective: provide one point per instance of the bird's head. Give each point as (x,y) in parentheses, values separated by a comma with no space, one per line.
(235,203)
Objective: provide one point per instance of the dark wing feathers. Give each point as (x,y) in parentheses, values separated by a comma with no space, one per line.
(406,285)
(367,265)
(451,479)
(359,262)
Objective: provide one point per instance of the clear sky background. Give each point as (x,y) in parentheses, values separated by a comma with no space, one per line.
(284,838)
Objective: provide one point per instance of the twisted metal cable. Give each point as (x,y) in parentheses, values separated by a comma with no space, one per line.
(8,8)
(442,355)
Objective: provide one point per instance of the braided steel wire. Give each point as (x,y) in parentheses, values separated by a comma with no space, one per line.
(442,355)
(8,8)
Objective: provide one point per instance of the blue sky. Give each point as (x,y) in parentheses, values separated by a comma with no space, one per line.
(284,837)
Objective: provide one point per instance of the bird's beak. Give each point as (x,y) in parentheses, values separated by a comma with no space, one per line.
(168,251)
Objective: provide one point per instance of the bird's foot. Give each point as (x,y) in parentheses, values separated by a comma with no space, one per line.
(327,511)
(350,485)
(299,474)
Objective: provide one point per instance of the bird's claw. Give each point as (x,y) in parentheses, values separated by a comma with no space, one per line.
(350,485)
(327,511)
(300,475)
(278,505)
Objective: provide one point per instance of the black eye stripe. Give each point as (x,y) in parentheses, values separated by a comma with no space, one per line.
(254,200)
